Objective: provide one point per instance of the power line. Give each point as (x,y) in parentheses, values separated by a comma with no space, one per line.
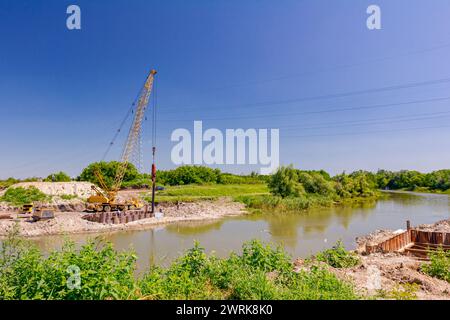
(326,96)
(366,132)
(338,67)
(431,116)
(377,106)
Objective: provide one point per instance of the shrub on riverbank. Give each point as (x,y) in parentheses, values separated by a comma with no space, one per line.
(338,257)
(294,189)
(97,271)
(285,183)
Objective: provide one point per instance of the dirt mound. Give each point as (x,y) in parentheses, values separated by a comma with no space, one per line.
(440,226)
(79,189)
(388,272)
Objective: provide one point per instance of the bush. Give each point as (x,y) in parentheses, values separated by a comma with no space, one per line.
(284,183)
(338,257)
(7,183)
(228,178)
(439,265)
(58,177)
(103,273)
(188,175)
(357,184)
(68,196)
(316,183)
(20,196)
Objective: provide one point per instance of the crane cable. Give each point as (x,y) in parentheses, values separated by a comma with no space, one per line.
(127,115)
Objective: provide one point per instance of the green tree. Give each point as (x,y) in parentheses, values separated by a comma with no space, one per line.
(284,183)
(189,175)
(58,177)
(315,182)
(108,170)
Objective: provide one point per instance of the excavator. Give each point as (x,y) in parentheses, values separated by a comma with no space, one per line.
(105,198)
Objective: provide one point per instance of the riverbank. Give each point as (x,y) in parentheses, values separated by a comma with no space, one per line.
(73,222)
(419,191)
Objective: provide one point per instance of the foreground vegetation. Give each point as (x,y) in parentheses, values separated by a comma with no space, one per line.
(97,271)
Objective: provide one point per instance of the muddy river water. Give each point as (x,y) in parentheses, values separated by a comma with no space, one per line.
(301,233)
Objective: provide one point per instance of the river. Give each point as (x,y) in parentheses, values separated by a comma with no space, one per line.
(301,233)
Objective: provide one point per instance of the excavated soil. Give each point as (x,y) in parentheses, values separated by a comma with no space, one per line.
(440,226)
(389,272)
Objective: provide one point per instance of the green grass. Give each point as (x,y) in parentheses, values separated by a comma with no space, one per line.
(191,193)
(20,196)
(268,202)
(97,271)
(68,196)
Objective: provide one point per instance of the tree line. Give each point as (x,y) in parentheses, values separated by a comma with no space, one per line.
(296,181)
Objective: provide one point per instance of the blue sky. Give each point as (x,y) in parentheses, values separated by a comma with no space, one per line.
(344,97)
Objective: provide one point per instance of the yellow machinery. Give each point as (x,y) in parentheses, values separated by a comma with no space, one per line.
(105,199)
(26,209)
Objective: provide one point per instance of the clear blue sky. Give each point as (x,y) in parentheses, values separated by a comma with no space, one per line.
(64,93)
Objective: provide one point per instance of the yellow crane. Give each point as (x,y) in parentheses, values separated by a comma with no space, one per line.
(105,198)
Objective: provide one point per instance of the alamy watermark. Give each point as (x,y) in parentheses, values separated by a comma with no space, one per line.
(74,280)
(373,22)
(73,21)
(235,146)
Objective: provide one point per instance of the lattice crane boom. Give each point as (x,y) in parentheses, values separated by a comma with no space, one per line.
(132,146)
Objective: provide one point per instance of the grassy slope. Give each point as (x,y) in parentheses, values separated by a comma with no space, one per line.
(190,193)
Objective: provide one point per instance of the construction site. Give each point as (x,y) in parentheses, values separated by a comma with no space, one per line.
(84,207)
(224,151)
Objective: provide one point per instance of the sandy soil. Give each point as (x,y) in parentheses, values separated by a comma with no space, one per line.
(72,222)
(389,272)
